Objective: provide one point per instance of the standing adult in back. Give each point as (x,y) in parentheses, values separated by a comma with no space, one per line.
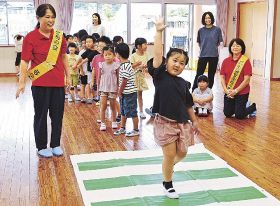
(45,49)
(209,38)
(96,26)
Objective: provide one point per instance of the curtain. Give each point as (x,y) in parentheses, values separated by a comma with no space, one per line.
(66,9)
(222,17)
(38,2)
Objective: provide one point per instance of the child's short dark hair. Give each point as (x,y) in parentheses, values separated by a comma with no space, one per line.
(95,35)
(84,38)
(72,44)
(117,39)
(105,39)
(68,37)
(82,33)
(76,35)
(138,42)
(202,78)
(123,50)
(173,51)
(109,48)
(90,37)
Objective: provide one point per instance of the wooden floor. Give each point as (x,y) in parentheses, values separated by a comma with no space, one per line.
(251,146)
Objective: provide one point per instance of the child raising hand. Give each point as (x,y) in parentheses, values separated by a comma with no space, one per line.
(172,106)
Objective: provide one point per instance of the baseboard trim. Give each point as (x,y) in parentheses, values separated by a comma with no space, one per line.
(8,74)
(275,79)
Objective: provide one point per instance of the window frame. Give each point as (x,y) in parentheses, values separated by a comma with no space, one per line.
(161,2)
(8,22)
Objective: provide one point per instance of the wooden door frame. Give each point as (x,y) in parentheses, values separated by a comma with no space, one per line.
(270,40)
(238,17)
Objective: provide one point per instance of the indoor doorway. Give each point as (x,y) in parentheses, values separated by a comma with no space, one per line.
(252,28)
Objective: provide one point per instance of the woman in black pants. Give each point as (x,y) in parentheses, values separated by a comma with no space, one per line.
(209,38)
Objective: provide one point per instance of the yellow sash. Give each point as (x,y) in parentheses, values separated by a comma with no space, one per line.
(49,63)
(236,72)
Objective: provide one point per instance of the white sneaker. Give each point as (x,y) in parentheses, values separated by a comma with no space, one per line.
(77,98)
(102,127)
(70,98)
(200,112)
(171,195)
(142,115)
(204,112)
(114,125)
(98,121)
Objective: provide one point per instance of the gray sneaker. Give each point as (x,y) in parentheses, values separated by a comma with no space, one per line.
(149,112)
(132,133)
(89,101)
(120,131)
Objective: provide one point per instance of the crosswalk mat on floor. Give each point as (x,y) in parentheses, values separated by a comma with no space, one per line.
(134,178)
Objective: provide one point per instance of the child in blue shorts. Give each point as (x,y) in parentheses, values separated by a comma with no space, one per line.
(127,91)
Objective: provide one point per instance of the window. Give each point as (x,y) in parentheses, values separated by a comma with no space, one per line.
(177,32)
(82,16)
(15,18)
(114,19)
(21,19)
(142,18)
(3,23)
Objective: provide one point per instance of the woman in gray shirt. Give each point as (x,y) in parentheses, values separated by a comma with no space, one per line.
(209,39)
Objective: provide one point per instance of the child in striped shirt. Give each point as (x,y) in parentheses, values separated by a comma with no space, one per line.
(127,91)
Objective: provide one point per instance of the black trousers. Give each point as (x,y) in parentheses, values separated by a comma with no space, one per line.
(48,99)
(237,106)
(201,66)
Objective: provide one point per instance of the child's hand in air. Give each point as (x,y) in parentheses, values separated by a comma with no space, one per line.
(159,23)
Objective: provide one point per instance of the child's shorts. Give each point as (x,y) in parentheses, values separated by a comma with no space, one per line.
(128,104)
(140,81)
(110,95)
(84,79)
(18,58)
(167,131)
(74,79)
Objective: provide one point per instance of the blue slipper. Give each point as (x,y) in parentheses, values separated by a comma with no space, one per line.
(45,153)
(57,151)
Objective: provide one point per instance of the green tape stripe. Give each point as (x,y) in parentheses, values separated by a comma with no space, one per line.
(126,181)
(191,199)
(95,165)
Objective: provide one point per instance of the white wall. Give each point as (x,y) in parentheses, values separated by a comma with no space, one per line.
(7,60)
